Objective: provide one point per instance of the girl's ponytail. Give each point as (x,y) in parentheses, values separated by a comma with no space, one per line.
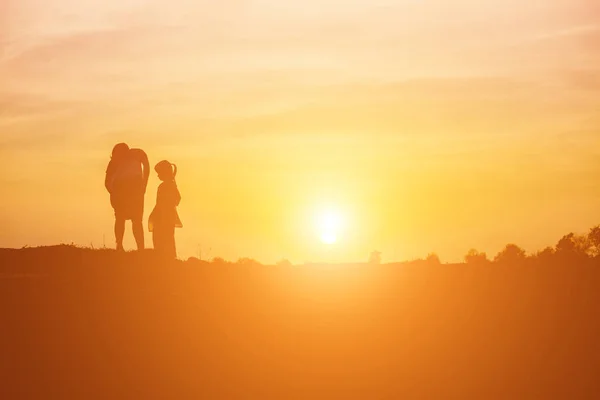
(174,169)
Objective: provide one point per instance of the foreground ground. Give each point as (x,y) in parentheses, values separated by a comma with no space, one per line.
(84,324)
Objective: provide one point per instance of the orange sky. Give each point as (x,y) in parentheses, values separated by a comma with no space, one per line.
(431,125)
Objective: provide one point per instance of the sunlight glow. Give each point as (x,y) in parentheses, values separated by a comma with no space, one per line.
(329,225)
(328,237)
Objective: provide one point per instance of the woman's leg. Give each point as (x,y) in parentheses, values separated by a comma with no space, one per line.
(138,233)
(137,214)
(119,232)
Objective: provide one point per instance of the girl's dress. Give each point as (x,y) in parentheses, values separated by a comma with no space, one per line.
(164,219)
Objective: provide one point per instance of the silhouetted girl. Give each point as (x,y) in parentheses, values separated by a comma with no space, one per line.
(164,218)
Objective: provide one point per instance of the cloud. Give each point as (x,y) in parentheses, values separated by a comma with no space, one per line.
(582,39)
(130,51)
(39,140)
(227,72)
(584,80)
(87,53)
(581,30)
(5,23)
(15,106)
(462,107)
(158,42)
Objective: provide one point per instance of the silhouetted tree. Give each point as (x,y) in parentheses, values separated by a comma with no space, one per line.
(219,261)
(545,256)
(475,257)
(375,258)
(248,262)
(284,263)
(594,240)
(512,254)
(566,244)
(433,259)
(572,246)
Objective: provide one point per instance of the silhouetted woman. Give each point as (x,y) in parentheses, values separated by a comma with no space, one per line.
(164,218)
(126,180)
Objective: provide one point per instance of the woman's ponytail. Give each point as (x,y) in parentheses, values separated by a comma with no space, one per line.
(174,169)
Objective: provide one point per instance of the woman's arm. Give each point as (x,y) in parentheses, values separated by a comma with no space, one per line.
(160,196)
(146,168)
(109,176)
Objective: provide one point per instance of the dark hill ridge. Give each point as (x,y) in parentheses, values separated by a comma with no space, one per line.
(85,324)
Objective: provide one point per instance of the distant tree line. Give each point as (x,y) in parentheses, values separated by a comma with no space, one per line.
(570,248)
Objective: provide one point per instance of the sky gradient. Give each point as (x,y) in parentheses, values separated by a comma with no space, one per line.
(430,125)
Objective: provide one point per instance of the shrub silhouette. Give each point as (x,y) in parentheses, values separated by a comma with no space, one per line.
(433,259)
(284,263)
(375,258)
(248,262)
(475,257)
(219,261)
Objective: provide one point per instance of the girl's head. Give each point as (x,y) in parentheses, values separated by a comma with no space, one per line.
(165,170)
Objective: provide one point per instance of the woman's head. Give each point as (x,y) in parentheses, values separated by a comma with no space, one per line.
(120,151)
(165,170)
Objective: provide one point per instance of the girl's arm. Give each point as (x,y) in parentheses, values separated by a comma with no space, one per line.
(168,196)
(160,197)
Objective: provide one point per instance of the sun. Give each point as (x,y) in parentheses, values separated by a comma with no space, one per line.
(329,224)
(328,237)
